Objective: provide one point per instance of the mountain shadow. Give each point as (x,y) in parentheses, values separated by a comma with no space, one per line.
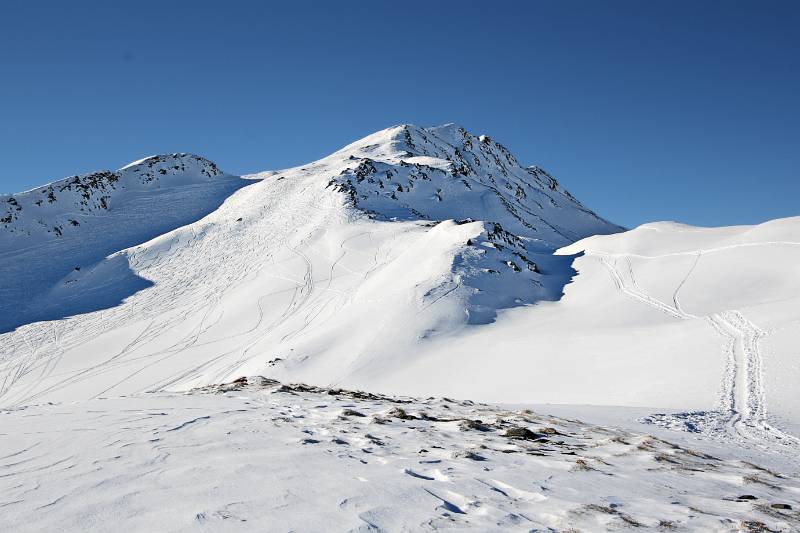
(80,272)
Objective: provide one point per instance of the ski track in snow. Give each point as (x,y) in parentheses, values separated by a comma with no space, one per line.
(263,281)
(268,265)
(191,302)
(742,407)
(175,281)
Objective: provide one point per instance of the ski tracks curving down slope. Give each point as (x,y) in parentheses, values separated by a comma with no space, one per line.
(314,273)
(741,411)
(414,261)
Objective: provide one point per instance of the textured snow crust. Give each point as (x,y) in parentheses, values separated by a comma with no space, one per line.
(255,455)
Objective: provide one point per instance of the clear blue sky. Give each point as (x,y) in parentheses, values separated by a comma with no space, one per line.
(685,111)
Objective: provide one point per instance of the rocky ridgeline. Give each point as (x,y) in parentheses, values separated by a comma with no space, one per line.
(58,206)
(407,173)
(447,173)
(435,172)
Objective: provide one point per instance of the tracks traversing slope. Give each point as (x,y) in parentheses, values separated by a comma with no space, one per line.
(286,242)
(741,410)
(748,416)
(180,313)
(233,275)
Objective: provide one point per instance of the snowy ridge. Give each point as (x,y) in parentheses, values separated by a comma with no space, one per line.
(447,173)
(64,204)
(51,234)
(412,173)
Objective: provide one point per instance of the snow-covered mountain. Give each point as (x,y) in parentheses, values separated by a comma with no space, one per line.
(404,235)
(415,261)
(384,266)
(49,234)
(445,173)
(442,173)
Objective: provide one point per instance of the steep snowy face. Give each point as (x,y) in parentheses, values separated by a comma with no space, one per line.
(50,233)
(58,207)
(442,173)
(175,275)
(407,172)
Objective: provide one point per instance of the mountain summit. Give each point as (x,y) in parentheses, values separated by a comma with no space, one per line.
(338,268)
(408,172)
(446,173)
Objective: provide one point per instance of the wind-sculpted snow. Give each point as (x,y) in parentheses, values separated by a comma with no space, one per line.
(255,455)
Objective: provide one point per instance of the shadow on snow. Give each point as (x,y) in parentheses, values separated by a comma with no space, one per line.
(82,273)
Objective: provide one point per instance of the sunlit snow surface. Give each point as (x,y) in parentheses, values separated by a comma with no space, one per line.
(262,457)
(415,261)
(349,262)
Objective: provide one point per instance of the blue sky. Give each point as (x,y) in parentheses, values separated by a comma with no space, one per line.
(683,111)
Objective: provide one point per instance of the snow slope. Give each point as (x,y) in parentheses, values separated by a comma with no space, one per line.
(258,456)
(49,234)
(699,321)
(353,260)
(417,261)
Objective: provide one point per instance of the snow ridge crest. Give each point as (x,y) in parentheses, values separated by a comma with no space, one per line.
(60,205)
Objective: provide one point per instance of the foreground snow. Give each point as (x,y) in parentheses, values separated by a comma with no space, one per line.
(258,456)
